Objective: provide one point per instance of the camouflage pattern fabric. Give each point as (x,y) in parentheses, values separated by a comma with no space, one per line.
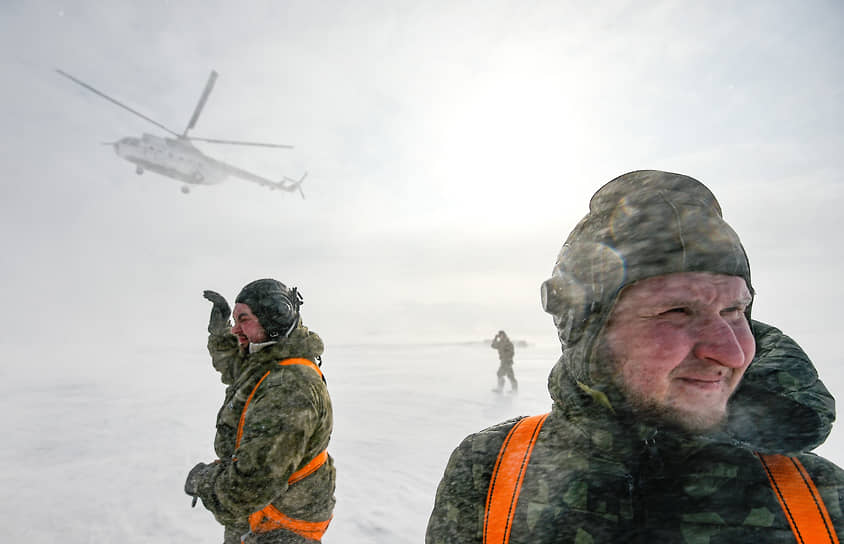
(598,475)
(289,422)
(781,405)
(640,225)
(226,353)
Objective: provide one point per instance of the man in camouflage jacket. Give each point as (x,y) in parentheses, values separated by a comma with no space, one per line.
(617,462)
(288,422)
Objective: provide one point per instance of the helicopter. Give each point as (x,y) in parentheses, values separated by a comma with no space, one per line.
(178,158)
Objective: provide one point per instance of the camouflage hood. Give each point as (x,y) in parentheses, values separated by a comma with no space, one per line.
(781,405)
(650,223)
(640,225)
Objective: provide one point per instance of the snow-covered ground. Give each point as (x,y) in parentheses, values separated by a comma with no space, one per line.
(96,444)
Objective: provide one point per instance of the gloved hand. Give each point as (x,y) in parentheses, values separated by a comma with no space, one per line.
(195,476)
(218,323)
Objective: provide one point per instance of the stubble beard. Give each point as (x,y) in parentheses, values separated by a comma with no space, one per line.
(669,415)
(649,410)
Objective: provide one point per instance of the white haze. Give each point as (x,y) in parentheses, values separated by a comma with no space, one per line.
(103,455)
(450,147)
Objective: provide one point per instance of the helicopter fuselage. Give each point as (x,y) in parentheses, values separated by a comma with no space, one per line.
(169,157)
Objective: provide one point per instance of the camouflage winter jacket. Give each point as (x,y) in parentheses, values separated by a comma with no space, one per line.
(226,356)
(595,476)
(287,424)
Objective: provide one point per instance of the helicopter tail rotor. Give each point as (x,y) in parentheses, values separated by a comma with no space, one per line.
(298,184)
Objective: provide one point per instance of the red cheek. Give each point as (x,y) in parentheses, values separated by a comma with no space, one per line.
(659,340)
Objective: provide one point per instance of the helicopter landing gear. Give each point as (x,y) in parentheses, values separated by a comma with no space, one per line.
(139,170)
(185,189)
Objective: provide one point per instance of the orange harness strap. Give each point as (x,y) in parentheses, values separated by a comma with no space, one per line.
(310,468)
(796,492)
(270,518)
(802,504)
(245,407)
(304,362)
(286,362)
(507,477)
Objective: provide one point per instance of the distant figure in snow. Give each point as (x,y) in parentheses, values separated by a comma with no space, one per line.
(505,355)
(273,482)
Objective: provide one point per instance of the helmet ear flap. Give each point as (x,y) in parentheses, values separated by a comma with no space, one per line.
(571,298)
(567,300)
(284,309)
(286,313)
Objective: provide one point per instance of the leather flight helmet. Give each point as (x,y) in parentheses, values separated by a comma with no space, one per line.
(275,306)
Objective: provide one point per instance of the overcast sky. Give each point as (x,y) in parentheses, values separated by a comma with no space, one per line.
(450,147)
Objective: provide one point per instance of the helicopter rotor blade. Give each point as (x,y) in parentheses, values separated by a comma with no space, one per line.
(239,142)
(115,102)
(209,85)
